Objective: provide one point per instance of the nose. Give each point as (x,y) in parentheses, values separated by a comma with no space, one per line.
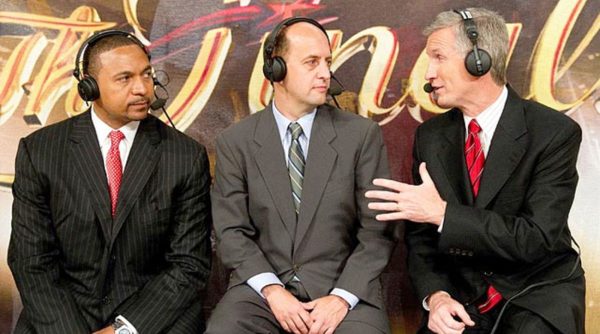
(141,85)
(324,71)
(431,72)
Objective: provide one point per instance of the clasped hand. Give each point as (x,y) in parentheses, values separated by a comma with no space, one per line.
(320,316)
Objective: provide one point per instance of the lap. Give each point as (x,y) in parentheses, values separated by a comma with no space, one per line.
(242,310)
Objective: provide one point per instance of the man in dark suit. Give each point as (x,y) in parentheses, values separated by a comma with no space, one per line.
(111,212)
(488,232)
(288,203)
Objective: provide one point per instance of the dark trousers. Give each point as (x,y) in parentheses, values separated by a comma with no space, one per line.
(515,320)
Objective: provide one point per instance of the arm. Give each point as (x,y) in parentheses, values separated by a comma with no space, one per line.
(375,239)
(164,298)
(237,248)
(537,228)
(34,251)
(233,229)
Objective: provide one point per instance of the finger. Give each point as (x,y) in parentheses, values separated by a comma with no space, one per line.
(464,316)
(382,194)
(316,327)
(384,206)
(305,316)
(392,216)
(449,322)
(308,306)
(300,324)
(390,184)
(424,173)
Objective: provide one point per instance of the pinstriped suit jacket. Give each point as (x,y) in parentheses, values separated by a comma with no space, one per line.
(76,268)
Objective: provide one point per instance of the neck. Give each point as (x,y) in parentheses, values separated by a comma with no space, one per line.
(290,110)
(482,97)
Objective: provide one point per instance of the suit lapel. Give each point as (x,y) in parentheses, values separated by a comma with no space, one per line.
(87,159)
(452,158)
(319,164)
(272,166)
(506,150)
(141,163)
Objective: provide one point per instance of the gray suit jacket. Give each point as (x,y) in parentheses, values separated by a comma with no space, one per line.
(515,232)
(74,266)
(336,241)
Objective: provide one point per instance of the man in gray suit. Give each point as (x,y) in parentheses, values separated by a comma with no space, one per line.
(111,213)
(288,203)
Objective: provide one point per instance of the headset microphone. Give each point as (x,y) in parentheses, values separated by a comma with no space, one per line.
(335,90)
(428,88)
(158,103)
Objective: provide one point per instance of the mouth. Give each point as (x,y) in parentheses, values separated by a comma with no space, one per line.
(140,104)
(321,89)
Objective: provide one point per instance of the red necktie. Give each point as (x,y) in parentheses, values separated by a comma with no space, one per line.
(114,169)
(475,160)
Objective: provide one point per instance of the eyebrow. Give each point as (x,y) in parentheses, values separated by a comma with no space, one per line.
(147,68)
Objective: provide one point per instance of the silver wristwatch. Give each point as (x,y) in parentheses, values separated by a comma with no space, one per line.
(120,327)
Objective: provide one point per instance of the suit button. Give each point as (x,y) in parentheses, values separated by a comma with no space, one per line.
(451,251)
(464,253)
(105,300)
(470,253)
(488,273)
(296,267)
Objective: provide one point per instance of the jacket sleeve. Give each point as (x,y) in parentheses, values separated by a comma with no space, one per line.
(164,298)
(233,228)
(376,239)
(34,252)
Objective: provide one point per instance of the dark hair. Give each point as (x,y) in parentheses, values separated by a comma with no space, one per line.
(91,62)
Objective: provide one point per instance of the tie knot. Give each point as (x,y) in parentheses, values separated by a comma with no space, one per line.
(115,137)
(296,130)
(474,127)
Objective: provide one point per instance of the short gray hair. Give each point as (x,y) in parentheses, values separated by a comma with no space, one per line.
(493,36)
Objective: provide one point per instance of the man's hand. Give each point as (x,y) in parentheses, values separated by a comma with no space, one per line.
(291,314)
(105,330)
(442,312)
(327,313)
(420,204)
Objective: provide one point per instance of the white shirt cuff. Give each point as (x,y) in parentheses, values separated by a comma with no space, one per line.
(351,299)
(258,282)
(426,305)
(127,323)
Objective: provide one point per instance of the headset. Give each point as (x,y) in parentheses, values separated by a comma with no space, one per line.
(274,68)
(478,61)
(87,87)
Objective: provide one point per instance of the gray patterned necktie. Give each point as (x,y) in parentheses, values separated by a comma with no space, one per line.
(296,164)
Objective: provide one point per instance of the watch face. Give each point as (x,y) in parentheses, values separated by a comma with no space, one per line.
(123,331)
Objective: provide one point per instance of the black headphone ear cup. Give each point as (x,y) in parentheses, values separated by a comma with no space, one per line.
(471,62)
(278,69)
(88,89)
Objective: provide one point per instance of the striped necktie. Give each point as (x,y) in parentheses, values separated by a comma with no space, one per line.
(114,169)
(296,164)
(475,161)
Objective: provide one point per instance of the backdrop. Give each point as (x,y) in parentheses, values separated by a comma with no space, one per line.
(211,51)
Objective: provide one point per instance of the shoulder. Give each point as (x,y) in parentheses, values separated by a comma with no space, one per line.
(544,118)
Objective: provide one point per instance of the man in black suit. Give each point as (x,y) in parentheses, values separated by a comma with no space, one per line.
(488,231)
(111,212)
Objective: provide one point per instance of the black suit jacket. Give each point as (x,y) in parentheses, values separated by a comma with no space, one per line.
(515,232)
(74,266)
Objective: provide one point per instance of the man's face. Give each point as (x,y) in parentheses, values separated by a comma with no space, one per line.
(308,59)
(452,84)
(125,81)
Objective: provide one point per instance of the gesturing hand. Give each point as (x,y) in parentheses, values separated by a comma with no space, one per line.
(420,204)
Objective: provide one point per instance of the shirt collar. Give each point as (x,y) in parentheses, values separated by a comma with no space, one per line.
(305,121)
(488,119)
(103,130)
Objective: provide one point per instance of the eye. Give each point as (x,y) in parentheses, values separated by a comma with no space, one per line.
(123,78)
